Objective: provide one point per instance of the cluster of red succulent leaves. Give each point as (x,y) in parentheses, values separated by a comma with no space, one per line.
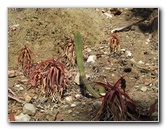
(49,75)
(118,106)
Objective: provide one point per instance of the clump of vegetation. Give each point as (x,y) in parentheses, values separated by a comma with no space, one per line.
(118,106)
(70,52)
(25,59)
(49,75)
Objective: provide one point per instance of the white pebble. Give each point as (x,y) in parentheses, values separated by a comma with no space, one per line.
(140,62)
(128,54)
(91,58)
(144,89)
(73,105)
(77,96)
(68,98)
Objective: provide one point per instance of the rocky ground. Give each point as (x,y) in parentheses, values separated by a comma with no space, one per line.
(44,31)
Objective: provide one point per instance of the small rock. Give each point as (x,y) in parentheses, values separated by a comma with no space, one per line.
(155,114)
(21,88)
(88,50)
(97,104)
(77,79)
(11,73)
(140,62)
(150,84)
(144,89)
(107,68)
(69,111)
(65,106)
(73,105)
(122,51)
(102,94)
(128,54)
(132,60)
(102,47)
(22,117)
(27,98)
(29,109)
(77,112)
(92,58)
(106,53)
(68,99)
(17,85)
(136,86)
(87,76)
(77,96)
(113,75)
(147,64)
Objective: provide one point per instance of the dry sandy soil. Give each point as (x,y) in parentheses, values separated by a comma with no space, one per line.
(44,31)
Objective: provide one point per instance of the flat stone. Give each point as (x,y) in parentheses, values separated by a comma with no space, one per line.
(29,109)
(22,117)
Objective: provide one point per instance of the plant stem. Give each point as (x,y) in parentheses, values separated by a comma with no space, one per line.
(79,55)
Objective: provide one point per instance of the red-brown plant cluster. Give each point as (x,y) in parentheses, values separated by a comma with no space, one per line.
(114,43)
(70,51)
(49,74)
(25,59)
(118,106)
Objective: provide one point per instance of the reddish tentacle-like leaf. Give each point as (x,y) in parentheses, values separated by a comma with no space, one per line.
(121,100)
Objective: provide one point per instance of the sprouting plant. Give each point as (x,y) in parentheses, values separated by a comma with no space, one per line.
(79,56)
(114,43)
(117,105)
